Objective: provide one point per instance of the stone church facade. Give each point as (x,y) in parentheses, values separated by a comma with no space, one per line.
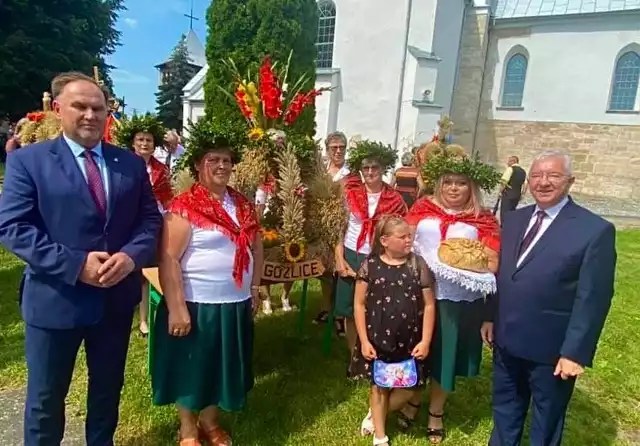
(578,92)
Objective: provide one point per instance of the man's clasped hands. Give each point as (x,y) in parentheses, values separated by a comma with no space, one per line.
(105,270)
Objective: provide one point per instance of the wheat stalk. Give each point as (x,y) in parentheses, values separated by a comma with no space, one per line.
(289,186)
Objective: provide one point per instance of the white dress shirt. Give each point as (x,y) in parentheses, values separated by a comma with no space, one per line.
(552,213)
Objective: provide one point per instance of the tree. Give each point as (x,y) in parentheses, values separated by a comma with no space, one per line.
(248,30)
(178,73)
(42,38)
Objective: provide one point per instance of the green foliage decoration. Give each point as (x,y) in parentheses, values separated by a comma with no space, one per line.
(128,127)
(367,149)
(248,30)
(206,134)
(483,175)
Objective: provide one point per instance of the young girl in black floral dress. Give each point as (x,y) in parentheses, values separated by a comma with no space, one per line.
(394,313)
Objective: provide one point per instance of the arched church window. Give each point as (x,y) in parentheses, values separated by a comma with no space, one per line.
(513,84)
(625,82)
(326,33)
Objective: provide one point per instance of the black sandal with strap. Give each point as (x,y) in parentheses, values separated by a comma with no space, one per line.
(404,421)
(436,436)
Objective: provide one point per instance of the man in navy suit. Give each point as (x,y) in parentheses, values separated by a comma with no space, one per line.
(81,214)
(555,286)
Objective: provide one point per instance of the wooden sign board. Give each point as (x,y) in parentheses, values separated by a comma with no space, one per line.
(290,272)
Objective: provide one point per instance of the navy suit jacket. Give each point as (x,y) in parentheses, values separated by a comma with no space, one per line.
(556,302)
(48,219)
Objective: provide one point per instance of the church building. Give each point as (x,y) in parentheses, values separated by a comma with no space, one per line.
(516,76)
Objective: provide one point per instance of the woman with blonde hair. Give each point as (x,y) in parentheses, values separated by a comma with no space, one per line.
(459,240)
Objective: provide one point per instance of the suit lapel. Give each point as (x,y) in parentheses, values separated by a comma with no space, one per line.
(553,233)
(71,171)
(115,176)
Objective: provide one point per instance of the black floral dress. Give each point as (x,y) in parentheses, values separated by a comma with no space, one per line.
(394,313)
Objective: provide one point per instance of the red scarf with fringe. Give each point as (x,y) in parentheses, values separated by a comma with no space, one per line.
(486,223)
(390,203)
(202,210)
(160,178)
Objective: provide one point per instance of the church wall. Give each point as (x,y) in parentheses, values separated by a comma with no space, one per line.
(606,158)
(570,68)
(565,100)
(368,50)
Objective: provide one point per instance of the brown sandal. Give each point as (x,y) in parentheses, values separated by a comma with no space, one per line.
(217,436)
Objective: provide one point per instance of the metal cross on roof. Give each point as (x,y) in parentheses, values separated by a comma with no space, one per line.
(191,17)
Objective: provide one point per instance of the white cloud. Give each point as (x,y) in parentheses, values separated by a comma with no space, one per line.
(131,23)
(126,77)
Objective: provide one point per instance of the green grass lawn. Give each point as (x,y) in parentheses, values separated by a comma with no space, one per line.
(303,398)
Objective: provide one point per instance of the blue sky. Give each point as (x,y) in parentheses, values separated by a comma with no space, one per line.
(150,29)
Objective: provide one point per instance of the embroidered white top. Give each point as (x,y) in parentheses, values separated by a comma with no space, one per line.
(207,266)
(451,284)
(354,227)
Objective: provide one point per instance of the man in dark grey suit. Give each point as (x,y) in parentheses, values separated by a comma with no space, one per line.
(555,286)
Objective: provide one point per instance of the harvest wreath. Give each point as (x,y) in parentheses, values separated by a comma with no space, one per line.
(304,209)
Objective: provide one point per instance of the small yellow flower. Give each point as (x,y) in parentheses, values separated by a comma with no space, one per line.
(256,134)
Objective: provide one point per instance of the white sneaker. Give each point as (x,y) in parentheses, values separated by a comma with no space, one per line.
(266,307)
(286,306)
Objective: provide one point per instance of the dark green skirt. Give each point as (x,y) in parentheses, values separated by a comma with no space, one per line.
(346,285)
(456,349)
(212,365)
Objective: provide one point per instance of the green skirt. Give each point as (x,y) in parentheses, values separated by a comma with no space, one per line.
(212,365)
(346,285)
(456,349)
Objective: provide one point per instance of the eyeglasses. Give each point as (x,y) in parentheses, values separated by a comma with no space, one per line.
(552,177)
(373,168)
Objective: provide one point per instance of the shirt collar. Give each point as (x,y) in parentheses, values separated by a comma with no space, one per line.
(554,210)
(78,150)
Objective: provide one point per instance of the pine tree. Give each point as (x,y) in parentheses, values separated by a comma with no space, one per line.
(248,30)
(178,73)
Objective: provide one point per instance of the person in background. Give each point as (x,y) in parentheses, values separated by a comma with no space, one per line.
(336,149)
(171,150)
(555,287)
(211,259)
(142,133)
(81,214)
(407,179)
(512,188)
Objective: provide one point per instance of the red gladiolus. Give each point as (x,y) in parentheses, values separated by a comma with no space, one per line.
(297,105)
(270,91)
(242,103)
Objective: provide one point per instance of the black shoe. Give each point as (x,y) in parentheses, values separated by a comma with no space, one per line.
(321,318)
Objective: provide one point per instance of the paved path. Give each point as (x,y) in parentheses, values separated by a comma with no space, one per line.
(11,412)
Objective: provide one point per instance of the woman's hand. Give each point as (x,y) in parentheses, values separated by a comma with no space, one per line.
(256,299)
(368,351)
(421,351)
(179,322)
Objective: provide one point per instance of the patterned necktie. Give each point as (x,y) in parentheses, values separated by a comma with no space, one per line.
(94,180)
(535,229)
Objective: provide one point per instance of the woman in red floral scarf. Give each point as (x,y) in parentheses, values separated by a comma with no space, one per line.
(141,134)
(210,268)
(367,202)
